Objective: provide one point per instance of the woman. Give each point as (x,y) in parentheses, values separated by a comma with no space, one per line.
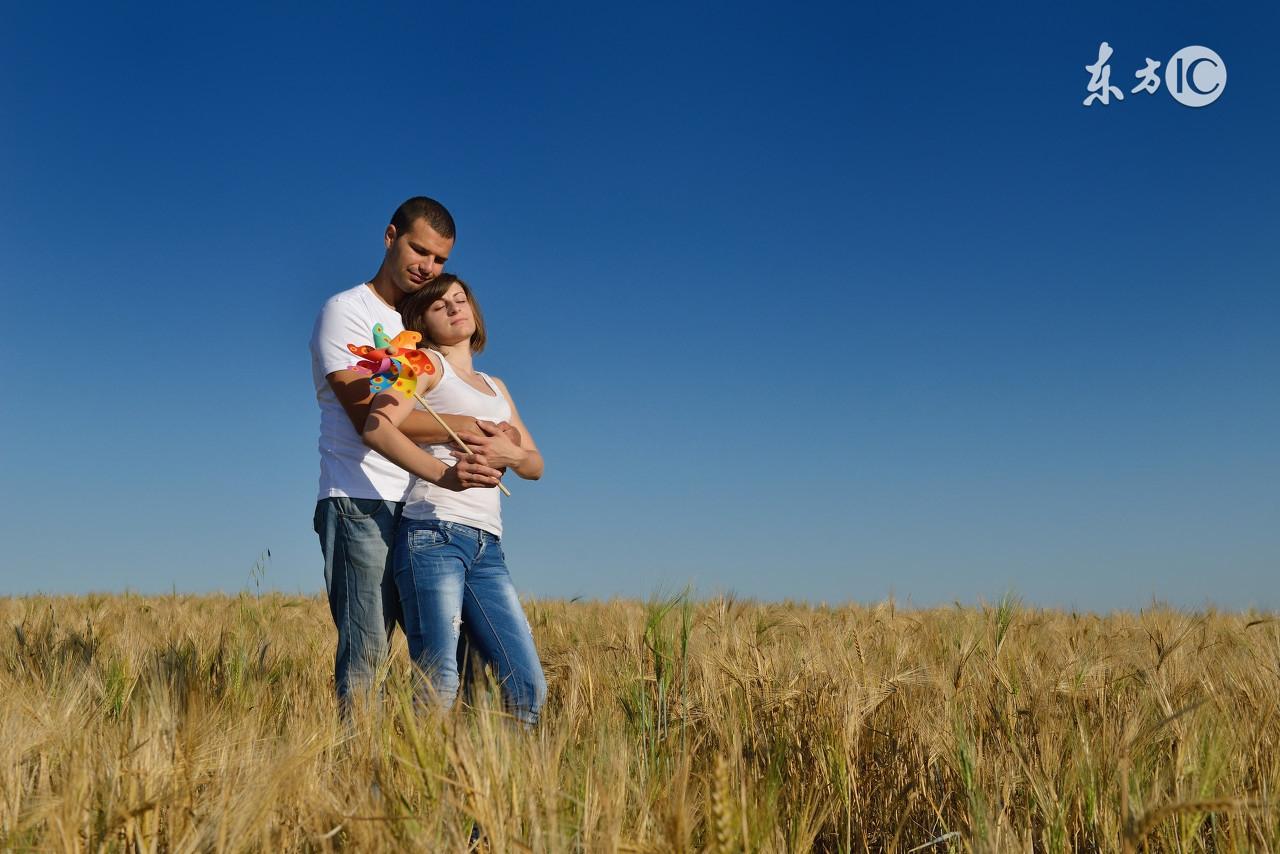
(447,558)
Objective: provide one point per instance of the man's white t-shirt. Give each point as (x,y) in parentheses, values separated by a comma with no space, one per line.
(347,466)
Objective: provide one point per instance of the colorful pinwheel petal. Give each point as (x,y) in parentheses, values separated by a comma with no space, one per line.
(392,362)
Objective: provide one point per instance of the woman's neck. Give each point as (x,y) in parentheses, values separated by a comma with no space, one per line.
(459,356)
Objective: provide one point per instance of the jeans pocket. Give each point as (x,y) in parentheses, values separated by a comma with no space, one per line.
(421,539)
(359,508)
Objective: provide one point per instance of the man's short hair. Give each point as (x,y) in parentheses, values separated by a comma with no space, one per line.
(421,207)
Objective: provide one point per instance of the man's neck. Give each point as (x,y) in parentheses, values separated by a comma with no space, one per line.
(385,289)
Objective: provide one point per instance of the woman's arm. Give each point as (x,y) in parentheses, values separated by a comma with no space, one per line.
(382,432)
(352,390)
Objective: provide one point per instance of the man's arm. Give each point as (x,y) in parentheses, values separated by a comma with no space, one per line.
(495,446)
(352,390)
(340,322)
(382,433)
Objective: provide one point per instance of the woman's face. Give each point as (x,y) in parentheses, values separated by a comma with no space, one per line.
(449,319)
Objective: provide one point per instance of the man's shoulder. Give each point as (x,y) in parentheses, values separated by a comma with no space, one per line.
(341,313)
(356,304)
(358,295)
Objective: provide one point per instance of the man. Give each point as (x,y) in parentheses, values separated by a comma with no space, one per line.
(361,492)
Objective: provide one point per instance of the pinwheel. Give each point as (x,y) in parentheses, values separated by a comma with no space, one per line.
(396,363)
(393,362)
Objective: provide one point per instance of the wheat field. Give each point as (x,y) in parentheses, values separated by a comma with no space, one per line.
(207,723)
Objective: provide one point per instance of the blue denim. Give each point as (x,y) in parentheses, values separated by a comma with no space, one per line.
(356,535)
(448,575)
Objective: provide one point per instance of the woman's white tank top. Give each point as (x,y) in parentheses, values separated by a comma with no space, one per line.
(480,507)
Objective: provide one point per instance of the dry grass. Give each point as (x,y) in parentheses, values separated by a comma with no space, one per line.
(207,723)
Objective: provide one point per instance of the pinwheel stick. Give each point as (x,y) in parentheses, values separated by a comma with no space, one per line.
(455,436)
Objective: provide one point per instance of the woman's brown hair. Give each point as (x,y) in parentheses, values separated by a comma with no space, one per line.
(416,304)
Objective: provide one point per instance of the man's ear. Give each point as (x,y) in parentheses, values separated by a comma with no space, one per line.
(389,236)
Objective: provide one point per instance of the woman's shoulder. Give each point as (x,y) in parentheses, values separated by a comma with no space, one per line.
(436,359)
(427,363)
(498,382)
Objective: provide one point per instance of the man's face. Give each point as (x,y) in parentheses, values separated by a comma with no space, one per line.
(417,256)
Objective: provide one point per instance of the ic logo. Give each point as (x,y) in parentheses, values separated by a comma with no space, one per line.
(1195,76)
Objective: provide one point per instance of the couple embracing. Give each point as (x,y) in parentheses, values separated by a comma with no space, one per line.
(411,525)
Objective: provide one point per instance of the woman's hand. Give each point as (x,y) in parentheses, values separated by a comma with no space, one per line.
(495,446)
(470,472)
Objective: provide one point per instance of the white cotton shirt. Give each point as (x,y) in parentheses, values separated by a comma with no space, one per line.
(480,507)
(347,466)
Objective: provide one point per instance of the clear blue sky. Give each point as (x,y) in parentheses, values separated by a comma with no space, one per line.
(799,301)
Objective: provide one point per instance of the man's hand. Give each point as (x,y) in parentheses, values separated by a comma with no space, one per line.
(496,446)
(470,472)
(512,433)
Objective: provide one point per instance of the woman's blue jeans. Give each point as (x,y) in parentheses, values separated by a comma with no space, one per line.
(448,575)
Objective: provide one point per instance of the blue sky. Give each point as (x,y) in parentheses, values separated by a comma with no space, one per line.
(818,302)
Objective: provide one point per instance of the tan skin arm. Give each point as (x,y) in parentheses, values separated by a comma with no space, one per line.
(492,448)
(382,432)
(352,390)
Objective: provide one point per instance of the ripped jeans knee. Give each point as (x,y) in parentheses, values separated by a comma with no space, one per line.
(456,592)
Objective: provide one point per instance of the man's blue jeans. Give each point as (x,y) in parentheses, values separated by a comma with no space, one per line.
(449,575)
(356,535)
